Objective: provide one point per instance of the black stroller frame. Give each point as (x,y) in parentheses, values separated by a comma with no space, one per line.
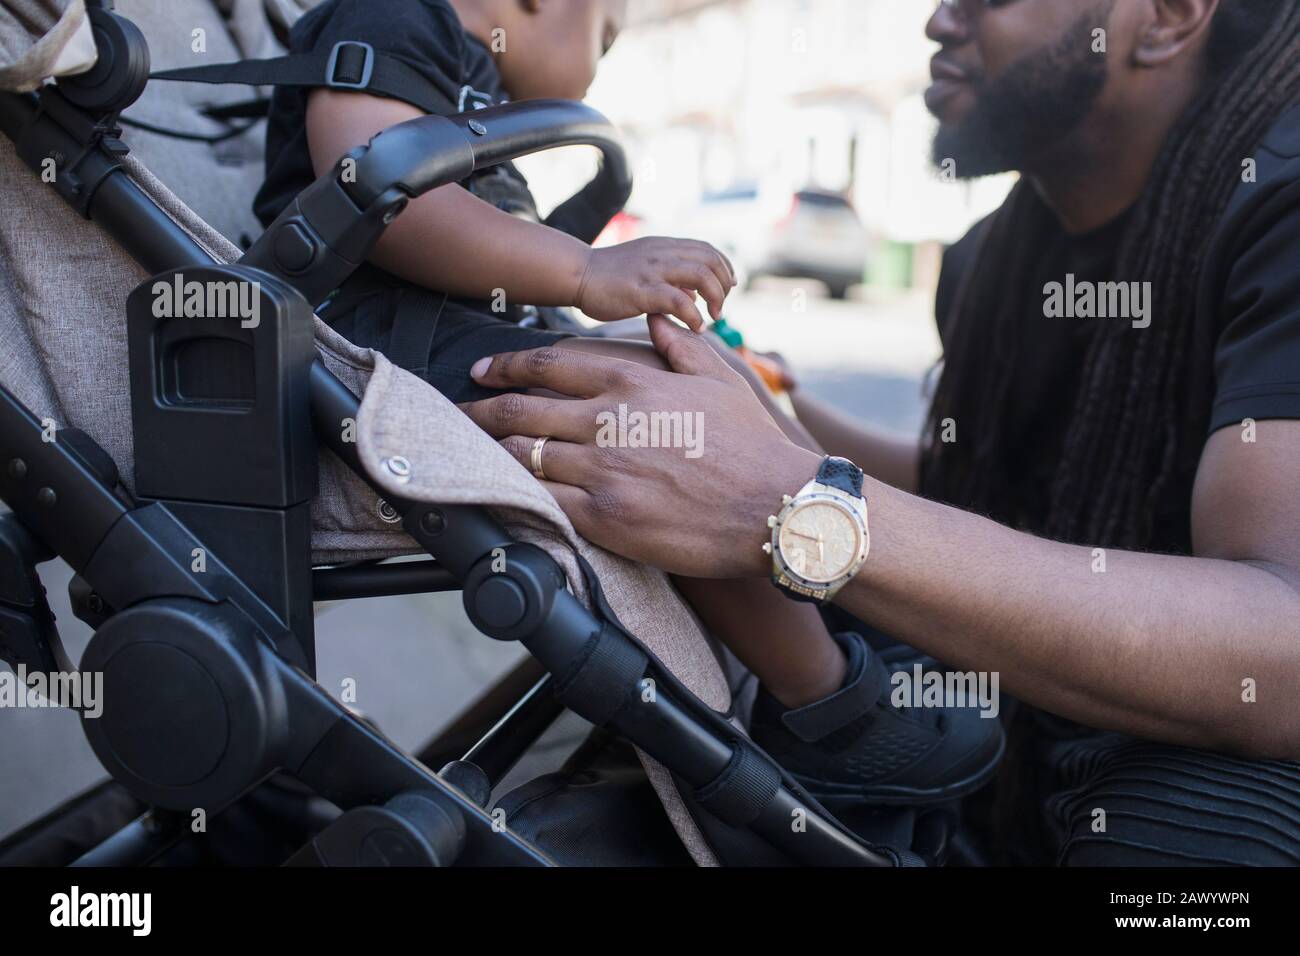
(208,677)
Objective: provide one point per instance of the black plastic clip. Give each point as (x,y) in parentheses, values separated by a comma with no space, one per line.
(86,150)
(367,66)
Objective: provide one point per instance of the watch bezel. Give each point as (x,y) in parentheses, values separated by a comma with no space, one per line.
(785,576)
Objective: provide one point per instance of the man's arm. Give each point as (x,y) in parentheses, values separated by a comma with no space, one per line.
(891,458)
(1154,646)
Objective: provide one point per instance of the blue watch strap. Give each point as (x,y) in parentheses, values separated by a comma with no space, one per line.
(842,474)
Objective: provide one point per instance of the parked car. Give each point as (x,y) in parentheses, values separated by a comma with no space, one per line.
(814,234)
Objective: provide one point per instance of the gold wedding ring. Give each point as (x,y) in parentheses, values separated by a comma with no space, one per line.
(535,459)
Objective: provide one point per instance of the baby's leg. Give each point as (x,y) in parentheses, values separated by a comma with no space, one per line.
(784,643)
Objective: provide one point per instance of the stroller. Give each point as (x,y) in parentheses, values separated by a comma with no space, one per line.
(213,466)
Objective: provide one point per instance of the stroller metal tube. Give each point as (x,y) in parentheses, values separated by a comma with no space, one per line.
(503,746)
(52,491)
(136,844)
(667,732)
(389,580)
(160,246)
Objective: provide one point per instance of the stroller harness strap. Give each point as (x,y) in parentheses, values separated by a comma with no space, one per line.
(349,65)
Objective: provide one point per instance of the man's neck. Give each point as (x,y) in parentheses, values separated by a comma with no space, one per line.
(1098,174)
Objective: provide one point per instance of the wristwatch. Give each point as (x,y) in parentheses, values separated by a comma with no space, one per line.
(819,537)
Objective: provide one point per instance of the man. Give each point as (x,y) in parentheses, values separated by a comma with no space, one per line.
(1103,507)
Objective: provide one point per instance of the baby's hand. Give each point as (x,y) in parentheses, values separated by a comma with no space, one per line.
(655,277)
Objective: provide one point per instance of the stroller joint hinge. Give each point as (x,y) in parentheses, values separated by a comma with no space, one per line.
(70,150)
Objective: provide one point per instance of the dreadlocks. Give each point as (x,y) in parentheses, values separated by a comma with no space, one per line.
(1142,407)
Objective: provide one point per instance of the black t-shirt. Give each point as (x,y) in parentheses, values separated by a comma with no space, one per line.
(1248,301)
(427,36)
(1049,373)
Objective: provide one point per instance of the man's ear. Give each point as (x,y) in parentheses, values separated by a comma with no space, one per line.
(1173,27)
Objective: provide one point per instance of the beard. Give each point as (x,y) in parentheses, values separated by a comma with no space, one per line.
(1033,106)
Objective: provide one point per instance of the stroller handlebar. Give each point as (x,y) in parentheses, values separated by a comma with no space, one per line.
(522,128)
(330,228)
(421,154)
(499,134)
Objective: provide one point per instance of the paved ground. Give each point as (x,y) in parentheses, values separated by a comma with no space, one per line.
(416,660)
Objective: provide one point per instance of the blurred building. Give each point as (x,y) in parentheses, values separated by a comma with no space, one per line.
(789,94)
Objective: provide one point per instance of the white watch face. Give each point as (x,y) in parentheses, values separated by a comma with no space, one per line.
(819,541)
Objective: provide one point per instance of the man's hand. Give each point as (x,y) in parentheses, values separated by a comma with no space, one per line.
(699,516)
(655,276)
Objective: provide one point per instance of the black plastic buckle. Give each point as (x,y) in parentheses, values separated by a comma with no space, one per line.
(87,149)
(367,68)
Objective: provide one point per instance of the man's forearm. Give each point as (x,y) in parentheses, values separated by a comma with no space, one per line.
(1151,645)
(890,458)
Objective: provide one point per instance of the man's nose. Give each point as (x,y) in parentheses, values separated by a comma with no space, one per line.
(950,25)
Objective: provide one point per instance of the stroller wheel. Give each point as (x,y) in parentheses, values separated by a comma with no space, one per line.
(189,715)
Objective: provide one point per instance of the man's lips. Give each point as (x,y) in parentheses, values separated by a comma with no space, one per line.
(949,81)
(941,69)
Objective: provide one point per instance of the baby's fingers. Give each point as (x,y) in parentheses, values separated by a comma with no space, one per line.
(720,265)
(697,277)
(670,300)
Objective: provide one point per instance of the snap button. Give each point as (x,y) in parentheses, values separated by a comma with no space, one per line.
(399,468)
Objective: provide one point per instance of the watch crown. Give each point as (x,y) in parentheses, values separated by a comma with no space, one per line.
(786,499)
(767,547)
(771,521)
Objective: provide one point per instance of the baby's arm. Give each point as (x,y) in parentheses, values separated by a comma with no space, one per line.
(452,241)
